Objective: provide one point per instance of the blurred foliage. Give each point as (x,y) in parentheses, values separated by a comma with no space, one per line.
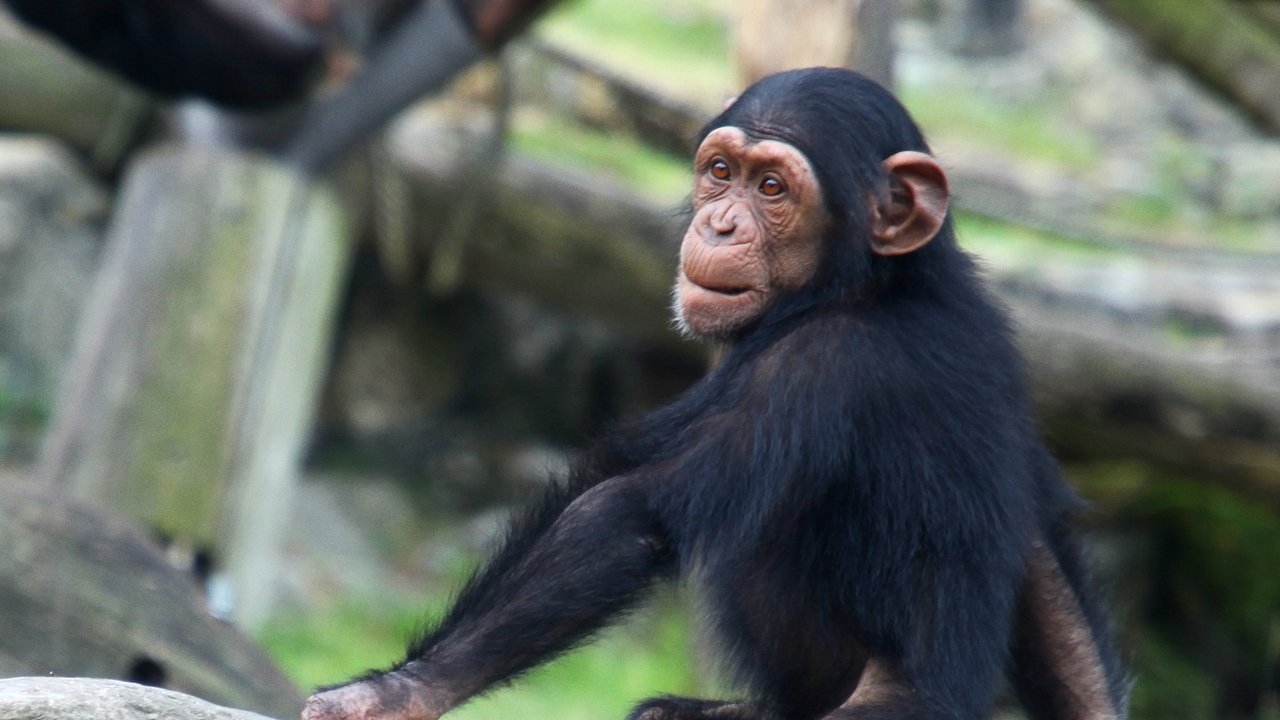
(1168,683)
(22,422)
(6,410)
(1199,595)
(1005,242)
(1027,130)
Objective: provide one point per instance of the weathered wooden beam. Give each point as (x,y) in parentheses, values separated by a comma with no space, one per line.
(196,366)
(84,593)
(600,98)
(1114,383)
(582,244)
(1265,11)
(1218,41)
(1190,333)
(1246,466)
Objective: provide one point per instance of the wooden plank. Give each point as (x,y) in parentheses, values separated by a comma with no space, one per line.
(1188,332)
(1218,41)
(191,387)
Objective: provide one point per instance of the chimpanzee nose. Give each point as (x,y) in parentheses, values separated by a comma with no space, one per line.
(724,220)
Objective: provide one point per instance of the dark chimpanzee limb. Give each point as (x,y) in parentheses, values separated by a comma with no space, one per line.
(551,590)
(1064,665)
(242,55)
(258,55)
(857,491)
(248,54)
(572,564)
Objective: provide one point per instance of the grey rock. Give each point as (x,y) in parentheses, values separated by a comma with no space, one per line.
(90,699)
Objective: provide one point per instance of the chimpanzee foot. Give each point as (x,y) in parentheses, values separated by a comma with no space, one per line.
(681,708)
(383,698)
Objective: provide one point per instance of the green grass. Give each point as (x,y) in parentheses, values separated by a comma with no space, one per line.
(1006,242)
(329,646)
(647,655)
(1026,131)
(23,418)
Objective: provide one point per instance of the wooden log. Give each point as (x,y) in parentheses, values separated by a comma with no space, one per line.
(1218,41)
(1265,11)
(580,244)
(84,593)
(601,98)
(1114,385)
(1189,331)
(45,89)
(198,361)
(90,699)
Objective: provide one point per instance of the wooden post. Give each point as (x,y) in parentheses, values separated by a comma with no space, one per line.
(200,355)
(775,35)
(984,27)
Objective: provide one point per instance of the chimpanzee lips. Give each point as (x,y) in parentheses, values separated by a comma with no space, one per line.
(720,288)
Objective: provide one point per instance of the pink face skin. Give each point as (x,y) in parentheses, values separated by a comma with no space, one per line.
(757,229)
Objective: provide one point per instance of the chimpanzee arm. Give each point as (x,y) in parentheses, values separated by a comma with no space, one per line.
(567,569)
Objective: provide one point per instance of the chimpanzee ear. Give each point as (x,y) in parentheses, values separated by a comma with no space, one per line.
(915,207)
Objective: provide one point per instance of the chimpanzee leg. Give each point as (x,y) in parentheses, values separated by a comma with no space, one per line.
(954,646)
(882,695)
(549,588)
(1064,666)
(879,694)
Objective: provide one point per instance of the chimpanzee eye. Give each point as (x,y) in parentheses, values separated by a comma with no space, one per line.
(720,169)
(771,186)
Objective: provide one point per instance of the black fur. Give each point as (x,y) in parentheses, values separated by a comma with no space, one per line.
(861,474)
(184,47)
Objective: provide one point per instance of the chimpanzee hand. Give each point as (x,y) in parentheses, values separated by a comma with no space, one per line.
(389,697)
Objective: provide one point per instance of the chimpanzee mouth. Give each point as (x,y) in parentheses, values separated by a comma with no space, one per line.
(723,289)
(727,290)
